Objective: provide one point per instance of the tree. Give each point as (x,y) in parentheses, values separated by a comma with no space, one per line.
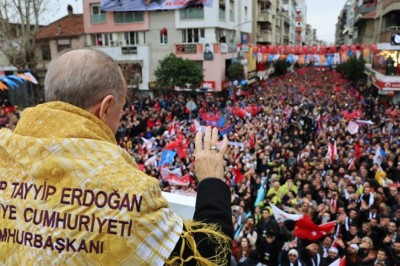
(175,71)
(352,69)
(19,23)
(235,71)
(281,67)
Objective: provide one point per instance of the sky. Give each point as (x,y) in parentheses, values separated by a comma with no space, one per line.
(323,16)
(56,9)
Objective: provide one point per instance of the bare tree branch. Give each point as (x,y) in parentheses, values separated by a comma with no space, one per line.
(19,24)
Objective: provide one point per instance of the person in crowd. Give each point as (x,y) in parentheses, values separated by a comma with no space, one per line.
(242,252)
(352,257)
(270,249)
(367,253)
(333,255)
(267,224)
(381,257)
(248,230)
(291,258)
(71,166)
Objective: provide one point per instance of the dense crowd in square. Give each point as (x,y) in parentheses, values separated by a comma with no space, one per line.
(308,142)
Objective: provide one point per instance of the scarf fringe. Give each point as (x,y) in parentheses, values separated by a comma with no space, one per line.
(213,234)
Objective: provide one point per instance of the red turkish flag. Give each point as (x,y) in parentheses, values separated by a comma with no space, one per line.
(306,229)
(237,175)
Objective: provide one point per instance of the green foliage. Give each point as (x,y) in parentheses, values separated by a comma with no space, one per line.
(353,69)
(235,71)
(281,67)
(175,71)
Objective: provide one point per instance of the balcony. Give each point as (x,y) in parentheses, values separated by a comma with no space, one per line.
(386,33)
(126,52)
(231,16)
(264,37)
(98,18)
(387,3)
(365,9)
(222,14)
(195,50)
(191,13)
(264,17)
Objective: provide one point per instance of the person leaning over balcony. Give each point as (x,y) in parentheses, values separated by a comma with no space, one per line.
(70,195)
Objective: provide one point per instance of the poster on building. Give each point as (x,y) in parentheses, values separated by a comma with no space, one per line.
(148,5)
(208,52)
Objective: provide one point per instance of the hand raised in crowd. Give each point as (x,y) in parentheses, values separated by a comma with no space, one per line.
(388,238)
(209,159)
(339,242)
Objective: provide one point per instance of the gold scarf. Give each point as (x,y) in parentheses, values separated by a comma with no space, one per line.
(70,195)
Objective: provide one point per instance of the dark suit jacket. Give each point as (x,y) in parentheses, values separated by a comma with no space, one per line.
(213,205)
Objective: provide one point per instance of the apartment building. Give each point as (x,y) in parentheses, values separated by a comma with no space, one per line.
(301,22)
(140,40)
(289,7)
(373,23)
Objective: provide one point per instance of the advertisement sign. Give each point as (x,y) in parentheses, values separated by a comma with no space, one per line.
(186,49)
(224,48)
(148,5)
(386,85)
(208,85)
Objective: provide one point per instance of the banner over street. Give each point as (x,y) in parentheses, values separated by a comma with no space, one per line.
(148,5)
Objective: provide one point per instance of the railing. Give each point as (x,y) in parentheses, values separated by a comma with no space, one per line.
(98,18)
(222,15)
(386,3)
(192,13)
(364,9)
(231,16)
(264,17)
(264,36)
(385,36)
(391,29)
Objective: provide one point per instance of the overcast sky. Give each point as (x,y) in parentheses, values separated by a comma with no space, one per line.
(322,15)
(56,9)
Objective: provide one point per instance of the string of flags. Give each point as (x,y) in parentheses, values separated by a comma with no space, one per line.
(318,55)
(14,81)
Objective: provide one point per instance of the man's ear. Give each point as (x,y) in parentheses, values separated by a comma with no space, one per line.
(104,107)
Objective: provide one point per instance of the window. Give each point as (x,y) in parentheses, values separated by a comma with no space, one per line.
(265,6)
(128,17)
(62,47)
(46,53)
(164,36)
(192,13)
(231,10)
(192,35)
(103,39)
(131,38)
(97,15)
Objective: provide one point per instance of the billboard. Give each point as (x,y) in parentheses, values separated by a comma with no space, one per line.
(148,5)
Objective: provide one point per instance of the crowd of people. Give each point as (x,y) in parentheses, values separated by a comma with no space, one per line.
(309,142)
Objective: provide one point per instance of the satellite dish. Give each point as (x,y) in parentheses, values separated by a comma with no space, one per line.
(395,40)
